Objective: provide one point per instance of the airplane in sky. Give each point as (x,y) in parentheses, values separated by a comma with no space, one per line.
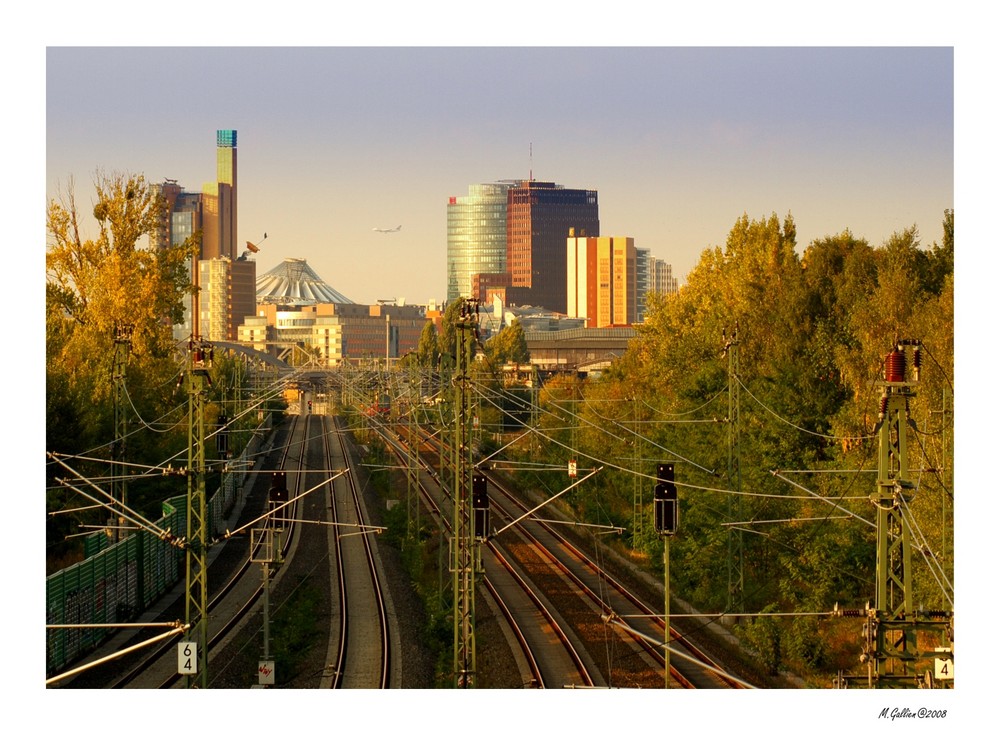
(397,228)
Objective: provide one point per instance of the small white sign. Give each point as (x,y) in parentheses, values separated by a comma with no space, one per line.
(187,657)
(944,668)
(572,468)
(265,672)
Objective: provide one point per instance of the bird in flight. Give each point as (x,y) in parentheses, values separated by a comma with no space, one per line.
(397,228)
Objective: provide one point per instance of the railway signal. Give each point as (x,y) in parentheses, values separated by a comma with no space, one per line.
(480,507)
(279,488)
(276,496)
(222,436)
(665,513)
(665,522)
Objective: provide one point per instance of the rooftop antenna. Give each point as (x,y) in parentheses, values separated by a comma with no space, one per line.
(530,176)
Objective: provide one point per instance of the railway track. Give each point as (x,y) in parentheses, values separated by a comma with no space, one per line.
(602,594)
(578,596)
(361,656)
(236,588)
(548,652)
(328,540)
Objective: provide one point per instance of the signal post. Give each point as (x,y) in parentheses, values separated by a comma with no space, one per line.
(665,517)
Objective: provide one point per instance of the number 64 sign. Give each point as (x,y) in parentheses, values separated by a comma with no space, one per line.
(187,657)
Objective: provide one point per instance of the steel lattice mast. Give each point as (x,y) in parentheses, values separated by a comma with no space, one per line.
(464,548)
(892,648)
(196,543)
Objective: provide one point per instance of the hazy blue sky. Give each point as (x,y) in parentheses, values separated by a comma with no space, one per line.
(678,142)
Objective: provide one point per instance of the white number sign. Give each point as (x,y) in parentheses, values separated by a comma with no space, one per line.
(187,657)
(944,668)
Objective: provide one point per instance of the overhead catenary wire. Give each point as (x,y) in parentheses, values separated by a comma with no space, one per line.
(603,430)
(631,471)
(794,426)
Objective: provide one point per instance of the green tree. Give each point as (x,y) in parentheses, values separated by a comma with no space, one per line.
(93,286)
(509,345)
(448,336)
(428,353)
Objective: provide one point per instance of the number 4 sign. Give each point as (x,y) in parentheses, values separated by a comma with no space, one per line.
(187,657)
(944,668)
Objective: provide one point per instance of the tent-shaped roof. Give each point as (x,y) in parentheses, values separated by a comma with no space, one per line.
(294,282)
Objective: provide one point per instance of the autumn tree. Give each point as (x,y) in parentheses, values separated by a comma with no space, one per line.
(509,345)
(95,285)
(117,278)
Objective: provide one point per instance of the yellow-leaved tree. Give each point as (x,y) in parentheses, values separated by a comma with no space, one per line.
(93,287)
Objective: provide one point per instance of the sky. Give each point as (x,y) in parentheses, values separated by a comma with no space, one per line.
(865,116)
(678,142)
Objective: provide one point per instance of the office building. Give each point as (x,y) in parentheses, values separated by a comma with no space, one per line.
(642,266)
(333,333)
(477,236)
(601,280)
(223,302)
(509,238)
(226,291)
(539,217)
(219,201)
(662,277)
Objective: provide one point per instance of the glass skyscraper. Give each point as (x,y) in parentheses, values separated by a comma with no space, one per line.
(512,234)
(477,236)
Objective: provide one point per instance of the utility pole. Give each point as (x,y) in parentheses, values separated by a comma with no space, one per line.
(637,505)
(465,551)
(734,479)
(266,543)
(123,346)
(947,440)
(535,392)
(891,646)
(413,459)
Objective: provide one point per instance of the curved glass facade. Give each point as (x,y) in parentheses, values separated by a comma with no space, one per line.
(477,236)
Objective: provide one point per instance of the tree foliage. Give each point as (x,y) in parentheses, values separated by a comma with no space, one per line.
(115,278)
(94,286)
(797,337)
(448,336)
(428,352)
(509,345)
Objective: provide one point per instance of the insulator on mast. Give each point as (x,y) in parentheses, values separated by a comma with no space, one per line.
(882,406)
(895,366)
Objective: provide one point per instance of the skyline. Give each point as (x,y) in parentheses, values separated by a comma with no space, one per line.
(335,143)
(854,24)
